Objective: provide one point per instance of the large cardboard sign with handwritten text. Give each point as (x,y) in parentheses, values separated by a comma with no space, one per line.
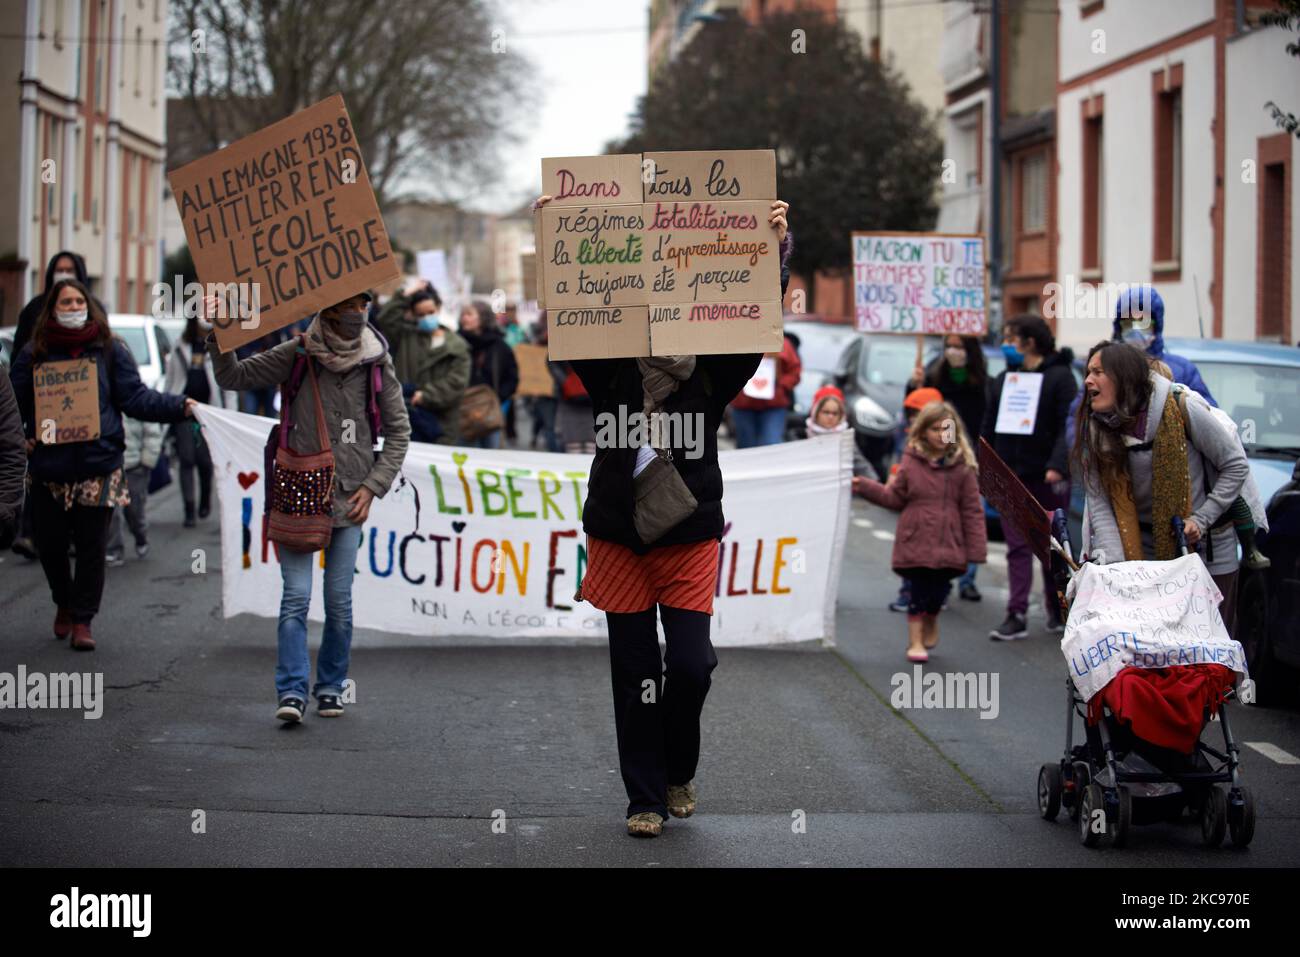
(289,210)
(67,395)
(661,254)
(1014,503)
(920,283)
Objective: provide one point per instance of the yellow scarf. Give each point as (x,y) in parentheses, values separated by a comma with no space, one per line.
(1171,489)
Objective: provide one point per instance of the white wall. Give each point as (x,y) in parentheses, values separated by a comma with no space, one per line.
(1128,214)
(1258,70)
(1127,25)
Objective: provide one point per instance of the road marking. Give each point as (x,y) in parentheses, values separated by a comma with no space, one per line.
(859,522)
(883,535)
(1273,752)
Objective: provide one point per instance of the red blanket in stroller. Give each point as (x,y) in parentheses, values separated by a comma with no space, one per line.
(1165,706)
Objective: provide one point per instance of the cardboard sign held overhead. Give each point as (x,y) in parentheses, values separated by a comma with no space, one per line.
(920,283)
(67,395)
(287,211)
(695,269)
(1013,502)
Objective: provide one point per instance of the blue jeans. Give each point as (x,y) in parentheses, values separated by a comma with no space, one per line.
(754,428)
(332,661)
(969,577)
(490,441)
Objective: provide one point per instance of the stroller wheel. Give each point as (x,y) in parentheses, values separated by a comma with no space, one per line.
(1241,818)
(1123,817)
(1049,791)
(1092,816)
(1214,817)
(1080,777)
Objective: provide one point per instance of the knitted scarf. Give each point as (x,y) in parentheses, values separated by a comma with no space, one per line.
(68,340)
(660,377)
(331,350)
(1171,490)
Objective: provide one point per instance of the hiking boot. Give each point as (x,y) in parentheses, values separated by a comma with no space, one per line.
(62,623)
(291,710)
(1013,629)
(81,639)
(681,799)
(970,593)
(329,706)
(645,824)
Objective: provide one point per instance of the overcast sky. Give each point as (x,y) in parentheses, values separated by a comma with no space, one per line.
(590,57)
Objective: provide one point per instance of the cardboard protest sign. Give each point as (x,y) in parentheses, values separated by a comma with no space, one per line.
(694,269)
(920,283)
(67,395)
(534,374)
(1013,501)
(285,218)
(717,175)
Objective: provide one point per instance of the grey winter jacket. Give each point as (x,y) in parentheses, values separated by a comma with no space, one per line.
(1214,458)
(343,398)
(143,442)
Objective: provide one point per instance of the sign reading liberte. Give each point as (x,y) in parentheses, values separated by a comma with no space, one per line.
(920,283)
(660,254)
(288,212)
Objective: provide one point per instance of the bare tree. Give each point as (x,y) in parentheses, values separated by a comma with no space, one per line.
(432,89)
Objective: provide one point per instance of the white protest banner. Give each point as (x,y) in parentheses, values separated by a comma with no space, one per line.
(1144,615)
(1018,408)
(500,549)
(920,283)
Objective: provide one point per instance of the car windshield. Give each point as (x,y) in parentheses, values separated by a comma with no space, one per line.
(134,337)
(888,361)
(1264,401)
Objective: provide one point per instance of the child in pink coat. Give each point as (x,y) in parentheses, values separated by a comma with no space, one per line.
(941,528)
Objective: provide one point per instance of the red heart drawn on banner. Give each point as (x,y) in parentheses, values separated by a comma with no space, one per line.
(758,384)
(246,479)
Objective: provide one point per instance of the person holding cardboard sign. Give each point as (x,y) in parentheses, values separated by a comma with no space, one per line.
(653,519)
(340,403)
(74,381)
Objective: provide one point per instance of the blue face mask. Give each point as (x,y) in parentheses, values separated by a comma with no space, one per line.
(1014,356)
(428,323)
(1142,338)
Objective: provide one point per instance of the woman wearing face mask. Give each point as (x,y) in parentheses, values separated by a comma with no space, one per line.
(189,373)
(74,485)
(961,376)
(492,361)
(439,377)
(342,349)
(1145,457)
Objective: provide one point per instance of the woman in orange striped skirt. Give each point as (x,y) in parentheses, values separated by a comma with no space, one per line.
(658,702)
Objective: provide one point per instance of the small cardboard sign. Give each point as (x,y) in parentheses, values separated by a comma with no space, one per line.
(694,269)
(287,211)
(762,384)
(534,373)
(1018,407)
(67,394)
(920,283)
(1013,501)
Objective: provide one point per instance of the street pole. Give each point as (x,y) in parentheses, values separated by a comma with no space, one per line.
(995,164)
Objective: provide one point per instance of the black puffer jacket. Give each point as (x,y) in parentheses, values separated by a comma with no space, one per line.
(617,382)
(1030,456)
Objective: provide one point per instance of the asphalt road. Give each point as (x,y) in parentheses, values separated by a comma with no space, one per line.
(501,756)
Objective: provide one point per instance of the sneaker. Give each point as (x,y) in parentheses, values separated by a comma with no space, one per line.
(1013,629)
(290,710)
(141,549)
(62,623)
(114,559)
(329,706)
(645,824)
(898,604)
(81,639)
(25,548)
(971,593)
(1055,626)
(681,799)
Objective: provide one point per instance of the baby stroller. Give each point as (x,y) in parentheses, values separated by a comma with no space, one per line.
(1115,780)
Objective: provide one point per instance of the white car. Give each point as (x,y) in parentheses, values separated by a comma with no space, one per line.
(148,342)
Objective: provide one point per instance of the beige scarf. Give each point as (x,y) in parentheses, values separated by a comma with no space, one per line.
(331,350)
(660,377)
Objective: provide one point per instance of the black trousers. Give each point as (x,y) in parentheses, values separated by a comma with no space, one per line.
(929,588)
(193,452)
(54,528)
(657,703)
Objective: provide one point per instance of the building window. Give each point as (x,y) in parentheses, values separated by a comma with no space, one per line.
(97,181)
(1094,188)
(153,74)
(1274,251)
(58,24)
(1168,184)
(55,154)
(1033,193)
(137,54)
(77,166)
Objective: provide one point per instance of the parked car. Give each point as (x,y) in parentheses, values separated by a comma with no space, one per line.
(148,342)
(820,345)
